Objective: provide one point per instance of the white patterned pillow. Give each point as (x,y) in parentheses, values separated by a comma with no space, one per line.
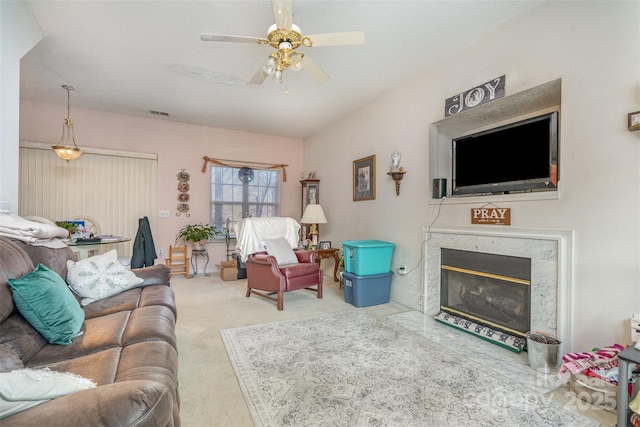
(99,277)
(24,388)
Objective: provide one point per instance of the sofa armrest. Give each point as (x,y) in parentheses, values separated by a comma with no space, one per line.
(306,255)
(158,274)
(263,258)
(141,403)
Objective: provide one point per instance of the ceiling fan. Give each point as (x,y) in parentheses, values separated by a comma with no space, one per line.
(286,37)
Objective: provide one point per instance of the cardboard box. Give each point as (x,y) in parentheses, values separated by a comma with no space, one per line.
(228,264)
(229,273)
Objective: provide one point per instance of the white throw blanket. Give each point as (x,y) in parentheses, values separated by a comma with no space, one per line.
(31,232)
(250,233)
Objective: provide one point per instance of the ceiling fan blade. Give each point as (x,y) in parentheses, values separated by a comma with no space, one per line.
(314,70)
(233,39)
(259,77)
(337,39)
(283,13)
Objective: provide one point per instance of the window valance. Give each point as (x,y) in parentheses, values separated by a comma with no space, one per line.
(240,164)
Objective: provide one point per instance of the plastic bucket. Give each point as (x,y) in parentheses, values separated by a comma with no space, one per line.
(543,352)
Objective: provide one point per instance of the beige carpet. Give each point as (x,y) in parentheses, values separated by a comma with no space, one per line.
(209,391)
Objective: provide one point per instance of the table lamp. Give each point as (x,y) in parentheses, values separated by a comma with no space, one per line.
(314,215)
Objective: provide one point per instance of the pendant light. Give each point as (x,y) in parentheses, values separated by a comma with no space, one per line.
(67,149)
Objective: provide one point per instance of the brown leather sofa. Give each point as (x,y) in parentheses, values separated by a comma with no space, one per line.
(128,349)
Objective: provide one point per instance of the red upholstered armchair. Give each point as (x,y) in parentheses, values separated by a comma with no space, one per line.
(264,274)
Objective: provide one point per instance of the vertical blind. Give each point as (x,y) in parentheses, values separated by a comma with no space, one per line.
(115,188)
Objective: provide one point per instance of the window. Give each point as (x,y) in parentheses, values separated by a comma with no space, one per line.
(232,199)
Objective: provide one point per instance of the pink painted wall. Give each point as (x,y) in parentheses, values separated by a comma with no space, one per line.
(178,146)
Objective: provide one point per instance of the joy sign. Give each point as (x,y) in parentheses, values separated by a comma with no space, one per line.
(476,96)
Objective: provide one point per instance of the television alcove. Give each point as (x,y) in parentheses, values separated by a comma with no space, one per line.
(522,107)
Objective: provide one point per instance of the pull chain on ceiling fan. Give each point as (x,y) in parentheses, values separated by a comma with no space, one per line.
(286,37)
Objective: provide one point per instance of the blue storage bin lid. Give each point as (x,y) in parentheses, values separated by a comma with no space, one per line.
(367,243)
(351,276)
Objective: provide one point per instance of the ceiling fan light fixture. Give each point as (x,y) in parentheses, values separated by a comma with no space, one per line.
(67,149)
(285,37)
(269,66)
(296,61)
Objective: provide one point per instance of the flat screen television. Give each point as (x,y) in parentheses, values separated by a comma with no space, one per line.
(518,157)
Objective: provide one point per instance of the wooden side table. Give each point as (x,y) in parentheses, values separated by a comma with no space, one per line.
(330,253)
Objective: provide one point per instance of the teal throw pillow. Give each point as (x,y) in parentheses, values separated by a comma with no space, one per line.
(43,298)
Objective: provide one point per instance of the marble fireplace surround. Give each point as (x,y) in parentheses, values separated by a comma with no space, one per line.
(551,281)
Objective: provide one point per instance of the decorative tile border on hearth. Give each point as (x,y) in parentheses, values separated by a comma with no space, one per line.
(551,281)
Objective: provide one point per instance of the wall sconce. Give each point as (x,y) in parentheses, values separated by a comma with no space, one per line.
(397,177)
(396,171)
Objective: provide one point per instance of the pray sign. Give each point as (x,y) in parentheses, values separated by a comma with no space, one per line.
(493,216)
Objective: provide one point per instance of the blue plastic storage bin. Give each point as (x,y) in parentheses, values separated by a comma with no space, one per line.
(365,257)
(363,291)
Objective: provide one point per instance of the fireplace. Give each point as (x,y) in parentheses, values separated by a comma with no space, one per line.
(493,290)
(549,255)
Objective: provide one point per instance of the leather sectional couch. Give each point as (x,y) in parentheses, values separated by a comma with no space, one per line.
(127,348)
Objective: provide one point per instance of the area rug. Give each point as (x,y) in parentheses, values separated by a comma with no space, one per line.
(353,368)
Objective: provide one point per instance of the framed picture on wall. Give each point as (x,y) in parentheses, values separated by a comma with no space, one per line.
(364,179)
(633,121)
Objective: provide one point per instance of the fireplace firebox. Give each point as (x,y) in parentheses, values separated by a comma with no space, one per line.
(490,289)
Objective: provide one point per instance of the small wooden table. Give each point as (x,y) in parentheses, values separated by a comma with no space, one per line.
(330,253)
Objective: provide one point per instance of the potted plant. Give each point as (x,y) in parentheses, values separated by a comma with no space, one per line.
(196,233)
(71,227)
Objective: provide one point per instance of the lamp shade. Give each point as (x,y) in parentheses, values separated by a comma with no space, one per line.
(313,214)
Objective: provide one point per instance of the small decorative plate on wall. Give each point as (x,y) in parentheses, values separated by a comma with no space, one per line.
(183,208)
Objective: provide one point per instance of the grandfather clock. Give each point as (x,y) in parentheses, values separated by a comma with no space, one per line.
(310,195)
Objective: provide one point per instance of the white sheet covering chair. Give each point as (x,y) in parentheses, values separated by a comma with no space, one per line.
(251,232)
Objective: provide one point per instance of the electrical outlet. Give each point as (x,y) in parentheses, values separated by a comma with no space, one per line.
(160,253)
(164,214)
